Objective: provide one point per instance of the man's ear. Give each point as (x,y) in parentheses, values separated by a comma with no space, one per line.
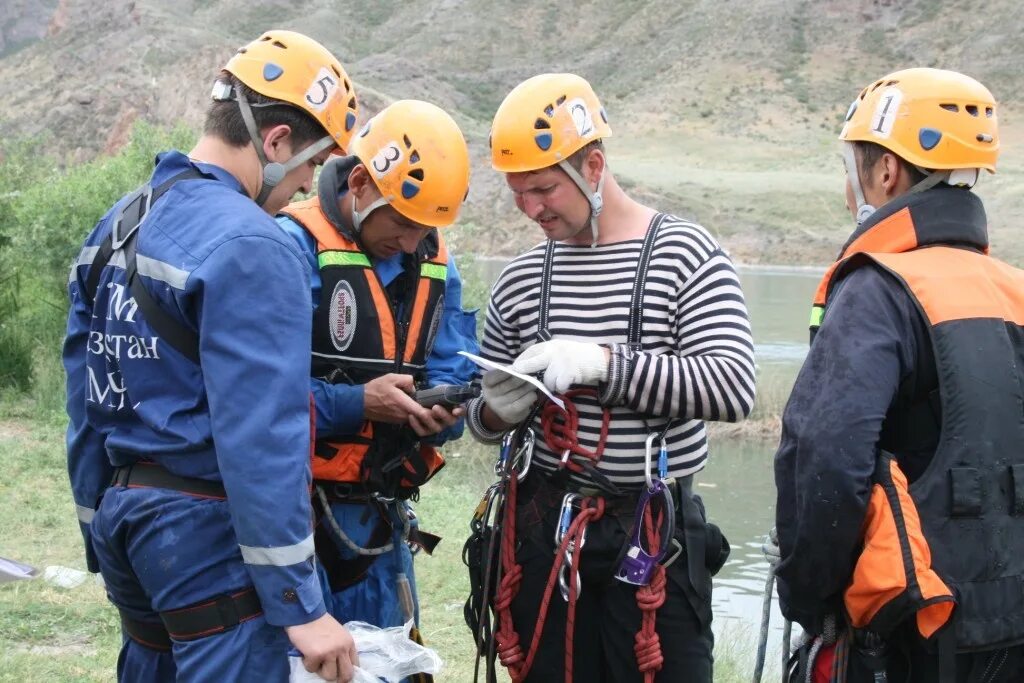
(277,143)
(359,181)
(888,172)
(594,167)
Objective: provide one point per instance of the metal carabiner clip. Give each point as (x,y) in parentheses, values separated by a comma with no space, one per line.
(504,453)
(524,454)
(565,517)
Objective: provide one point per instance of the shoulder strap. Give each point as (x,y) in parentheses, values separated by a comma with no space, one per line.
(122,237)
(545,292)
(636,304)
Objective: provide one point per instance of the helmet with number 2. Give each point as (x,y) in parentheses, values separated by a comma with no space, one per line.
(418,159)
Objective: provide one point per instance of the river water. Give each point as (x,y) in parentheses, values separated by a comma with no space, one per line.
(738,486)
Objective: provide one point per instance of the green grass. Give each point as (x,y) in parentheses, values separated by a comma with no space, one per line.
(54,634)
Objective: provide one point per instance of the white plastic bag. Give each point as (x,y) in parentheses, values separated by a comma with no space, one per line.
(384,654)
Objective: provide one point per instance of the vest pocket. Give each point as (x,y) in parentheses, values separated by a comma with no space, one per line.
(966,492)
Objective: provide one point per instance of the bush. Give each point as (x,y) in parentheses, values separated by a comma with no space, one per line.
(45,217)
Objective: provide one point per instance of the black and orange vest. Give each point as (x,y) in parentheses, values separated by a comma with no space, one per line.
(359,333)
(956,533)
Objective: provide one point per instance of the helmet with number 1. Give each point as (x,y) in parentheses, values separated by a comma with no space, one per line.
(418,160)
(294,68)
(935,119)
(543,121)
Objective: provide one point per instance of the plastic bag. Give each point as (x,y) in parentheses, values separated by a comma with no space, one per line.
(384,654)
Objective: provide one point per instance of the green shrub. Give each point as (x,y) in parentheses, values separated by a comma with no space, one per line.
(44,218)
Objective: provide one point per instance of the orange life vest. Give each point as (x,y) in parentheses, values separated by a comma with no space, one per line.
(957,531)
(360,333)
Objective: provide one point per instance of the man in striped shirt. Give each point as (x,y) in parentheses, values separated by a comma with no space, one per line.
(568,310)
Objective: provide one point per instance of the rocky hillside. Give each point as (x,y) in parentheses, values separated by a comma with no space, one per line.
(723,111)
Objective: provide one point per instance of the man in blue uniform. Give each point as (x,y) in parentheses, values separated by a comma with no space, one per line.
(387,318)
(186,356)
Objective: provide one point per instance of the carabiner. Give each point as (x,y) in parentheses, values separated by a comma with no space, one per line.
(524,455)
(504,453)
(648,480)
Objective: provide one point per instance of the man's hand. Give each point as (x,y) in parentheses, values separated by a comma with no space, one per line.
(441,418)
(327,648)
(508,397)
(565,363)
(389,399)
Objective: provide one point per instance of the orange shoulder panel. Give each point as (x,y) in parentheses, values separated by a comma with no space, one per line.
(309,216)
(956,284)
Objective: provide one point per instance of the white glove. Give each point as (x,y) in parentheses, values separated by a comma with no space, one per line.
(508,397)
(564,363)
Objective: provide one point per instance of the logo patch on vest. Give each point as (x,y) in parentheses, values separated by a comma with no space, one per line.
(435,325)
(343,315)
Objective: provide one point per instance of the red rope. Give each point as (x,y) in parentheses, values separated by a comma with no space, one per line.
(649,598)
(560,434)
(561,429)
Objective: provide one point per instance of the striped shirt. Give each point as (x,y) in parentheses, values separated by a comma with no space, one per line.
(697,357)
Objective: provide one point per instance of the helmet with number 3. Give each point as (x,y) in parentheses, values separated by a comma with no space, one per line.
(296,69)
(418,159)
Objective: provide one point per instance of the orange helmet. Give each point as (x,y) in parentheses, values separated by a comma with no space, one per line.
(543,121)
(418,159)
(932,118)
(294,68)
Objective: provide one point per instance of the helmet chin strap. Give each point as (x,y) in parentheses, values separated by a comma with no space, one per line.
(274,172)
(958,177)
(864,210)
(359,216)
(595,197)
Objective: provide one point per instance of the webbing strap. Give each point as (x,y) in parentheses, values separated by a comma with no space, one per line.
(123,236)
(210,617)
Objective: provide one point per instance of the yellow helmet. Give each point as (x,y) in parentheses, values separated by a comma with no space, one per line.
(932,118)
(296,69)
(418,159)
(543,121)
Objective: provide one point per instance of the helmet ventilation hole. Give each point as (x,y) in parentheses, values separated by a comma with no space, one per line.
(405,139)
(989,112)
(559,101)
(414,158)
(972,109)
(417,173)
(950,107)
(540,124)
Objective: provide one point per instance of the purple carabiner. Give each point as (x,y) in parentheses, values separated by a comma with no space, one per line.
(638,565)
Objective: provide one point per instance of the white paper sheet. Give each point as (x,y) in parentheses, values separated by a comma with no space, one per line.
(490,365)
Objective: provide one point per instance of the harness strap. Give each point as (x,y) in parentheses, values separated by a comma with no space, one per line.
(150,475)
(123,236)
(200,620)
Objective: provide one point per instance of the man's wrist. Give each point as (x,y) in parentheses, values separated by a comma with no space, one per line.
(483,423)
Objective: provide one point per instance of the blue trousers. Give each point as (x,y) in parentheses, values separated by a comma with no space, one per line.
(160,550)
(374,599)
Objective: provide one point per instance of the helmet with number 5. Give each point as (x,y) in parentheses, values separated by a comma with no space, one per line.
(296,69)
(418,160)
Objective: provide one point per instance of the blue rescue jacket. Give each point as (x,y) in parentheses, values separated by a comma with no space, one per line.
(219,264)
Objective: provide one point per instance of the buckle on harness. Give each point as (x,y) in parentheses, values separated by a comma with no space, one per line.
(139,205)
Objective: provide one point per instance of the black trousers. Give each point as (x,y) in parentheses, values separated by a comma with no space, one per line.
(607,615)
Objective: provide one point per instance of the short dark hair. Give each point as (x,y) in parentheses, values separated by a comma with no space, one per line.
(871,152)
(577,158)
(224,119)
